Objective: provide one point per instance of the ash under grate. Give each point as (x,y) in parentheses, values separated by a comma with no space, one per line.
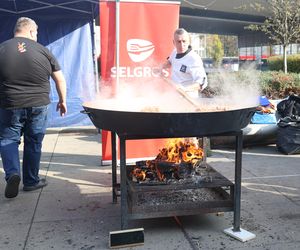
(180,196)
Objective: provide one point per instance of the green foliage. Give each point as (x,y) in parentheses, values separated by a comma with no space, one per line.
(230,44)
(277,85)
(275,63)
(273,84)
(293,62)
(216,50)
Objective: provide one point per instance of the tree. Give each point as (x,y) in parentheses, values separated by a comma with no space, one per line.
(230,44)
(215,49)
(283,25)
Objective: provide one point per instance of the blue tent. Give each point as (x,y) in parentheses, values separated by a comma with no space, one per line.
(66,28)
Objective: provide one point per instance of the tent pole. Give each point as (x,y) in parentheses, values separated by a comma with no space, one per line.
(117,44)
(95,57)
(117,60)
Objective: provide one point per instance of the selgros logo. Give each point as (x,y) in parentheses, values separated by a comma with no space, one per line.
(139,50)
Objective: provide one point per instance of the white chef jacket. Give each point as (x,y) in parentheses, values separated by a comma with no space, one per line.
(188,70)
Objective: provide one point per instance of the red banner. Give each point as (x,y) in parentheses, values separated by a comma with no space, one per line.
(145,41)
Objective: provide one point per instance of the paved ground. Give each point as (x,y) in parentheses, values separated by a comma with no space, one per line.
(75,211)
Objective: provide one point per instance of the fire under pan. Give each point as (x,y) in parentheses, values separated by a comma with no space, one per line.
(132,211)
(196,195)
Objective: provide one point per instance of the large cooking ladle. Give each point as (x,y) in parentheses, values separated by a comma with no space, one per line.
(182,93)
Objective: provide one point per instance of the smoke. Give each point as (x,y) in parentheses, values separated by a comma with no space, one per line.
(234,90)
(148,95)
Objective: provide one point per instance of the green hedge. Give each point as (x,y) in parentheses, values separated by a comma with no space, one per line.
(273,84)
(277,85)
(293,63)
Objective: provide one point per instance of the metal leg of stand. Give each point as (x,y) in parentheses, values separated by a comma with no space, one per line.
(124,205)
(237,181)
(202,143)
(204,147)
(114,166)
(236,231)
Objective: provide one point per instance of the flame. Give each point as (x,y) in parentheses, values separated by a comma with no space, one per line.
(176,151)
(180,150)
(139,174)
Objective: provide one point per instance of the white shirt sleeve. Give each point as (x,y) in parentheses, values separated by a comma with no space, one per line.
(198,72)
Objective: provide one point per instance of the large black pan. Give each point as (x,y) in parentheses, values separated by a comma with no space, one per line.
(158,124)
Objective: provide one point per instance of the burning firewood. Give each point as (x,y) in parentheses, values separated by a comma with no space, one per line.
(180,150)
(173,161)
(138,174)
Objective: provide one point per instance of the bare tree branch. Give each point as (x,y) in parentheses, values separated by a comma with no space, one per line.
(283,25)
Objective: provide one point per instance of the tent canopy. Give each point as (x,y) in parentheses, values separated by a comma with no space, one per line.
(82,8)
(66,28)
(217,16)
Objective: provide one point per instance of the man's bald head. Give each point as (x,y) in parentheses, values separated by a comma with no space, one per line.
(26,27)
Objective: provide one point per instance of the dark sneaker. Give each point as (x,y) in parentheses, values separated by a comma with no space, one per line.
(12,186)
(42,183)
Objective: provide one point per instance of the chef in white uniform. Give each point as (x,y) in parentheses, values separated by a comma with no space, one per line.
(188,73)
(187,69)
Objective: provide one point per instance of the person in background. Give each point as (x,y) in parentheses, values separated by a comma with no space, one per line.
(25,70)
(187,70)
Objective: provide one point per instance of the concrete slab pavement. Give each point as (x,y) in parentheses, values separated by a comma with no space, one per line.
(75,210)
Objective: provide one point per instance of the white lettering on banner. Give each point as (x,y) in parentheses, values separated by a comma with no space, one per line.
(138,72)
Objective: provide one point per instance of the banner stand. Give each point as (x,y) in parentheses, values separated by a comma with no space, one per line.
(131,55)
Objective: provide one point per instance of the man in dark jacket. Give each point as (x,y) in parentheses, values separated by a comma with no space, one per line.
(25,70)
